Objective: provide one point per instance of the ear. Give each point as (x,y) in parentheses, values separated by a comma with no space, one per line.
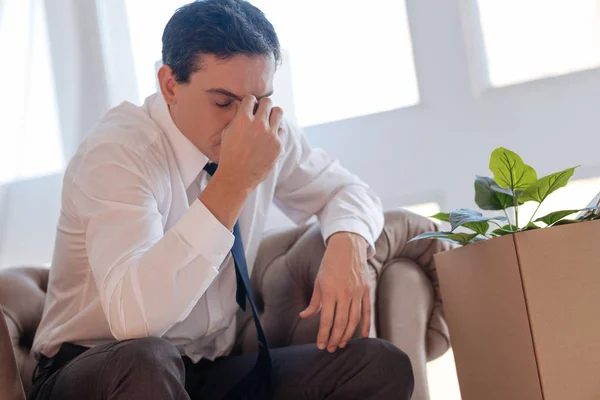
(167,84)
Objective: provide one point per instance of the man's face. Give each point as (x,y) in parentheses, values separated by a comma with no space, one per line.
(204,106)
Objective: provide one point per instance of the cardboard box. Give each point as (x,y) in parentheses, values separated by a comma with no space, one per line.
(524,314)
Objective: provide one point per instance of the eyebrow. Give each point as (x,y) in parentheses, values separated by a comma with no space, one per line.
(232,95)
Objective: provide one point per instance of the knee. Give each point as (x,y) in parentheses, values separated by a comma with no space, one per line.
(154,355)
(391,363)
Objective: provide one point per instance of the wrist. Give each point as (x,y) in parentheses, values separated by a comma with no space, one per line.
(348,238)
(224,198)
(235,186)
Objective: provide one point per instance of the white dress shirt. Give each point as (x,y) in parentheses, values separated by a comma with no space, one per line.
(137,254)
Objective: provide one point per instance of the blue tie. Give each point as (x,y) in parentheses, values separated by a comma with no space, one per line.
(257,384)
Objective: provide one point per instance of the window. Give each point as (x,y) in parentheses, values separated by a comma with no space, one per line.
(146,25)
(343,59)
(531,39)
(30,141)
(346,60)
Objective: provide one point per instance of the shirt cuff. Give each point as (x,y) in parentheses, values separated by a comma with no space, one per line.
(351,225)
(205,234)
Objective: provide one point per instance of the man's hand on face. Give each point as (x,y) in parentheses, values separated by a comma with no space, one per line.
(341,291)
(250,144)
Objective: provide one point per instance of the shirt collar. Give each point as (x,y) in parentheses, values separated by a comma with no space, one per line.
(190,160)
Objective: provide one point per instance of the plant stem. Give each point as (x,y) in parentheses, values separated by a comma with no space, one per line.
(495,223)
(535,212)
(516,201)
(507,218)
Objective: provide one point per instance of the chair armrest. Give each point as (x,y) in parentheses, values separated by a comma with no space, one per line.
(10,380)
(287,264)
(394,244)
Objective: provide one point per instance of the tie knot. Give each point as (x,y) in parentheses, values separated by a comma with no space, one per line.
(210,168)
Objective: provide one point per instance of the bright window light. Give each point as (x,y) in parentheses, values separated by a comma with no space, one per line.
(146,25)
(344,59)
(443,381)
(532,39)
(424,209)
(30,140)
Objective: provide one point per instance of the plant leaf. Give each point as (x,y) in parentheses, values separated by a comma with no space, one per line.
(543,187)
(530,226)
(454,237)
(463,216)
(566,222)
(490,196)
(480,227)
(556,216)
(505,230)
(444,217)
(510,171)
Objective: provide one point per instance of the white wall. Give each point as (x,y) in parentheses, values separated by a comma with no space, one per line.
(433,150)
(429,152)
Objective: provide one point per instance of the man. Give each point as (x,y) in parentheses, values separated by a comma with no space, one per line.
(162,212)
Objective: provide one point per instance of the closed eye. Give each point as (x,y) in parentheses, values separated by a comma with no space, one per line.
(224,105)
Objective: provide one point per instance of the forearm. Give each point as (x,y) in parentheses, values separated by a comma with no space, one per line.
(147,280)
(224,197)
(146,297)
(349,240)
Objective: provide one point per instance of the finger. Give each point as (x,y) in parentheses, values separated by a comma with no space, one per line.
(276,118)
(327,314)
(353,321)
(366,312)
(315,304)
(247,106)
(342,309)
(264,109)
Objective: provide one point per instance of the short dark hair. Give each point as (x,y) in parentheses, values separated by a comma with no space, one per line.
(223,28)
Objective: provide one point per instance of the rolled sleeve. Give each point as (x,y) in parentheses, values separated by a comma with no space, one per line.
(210,239)
(350,225)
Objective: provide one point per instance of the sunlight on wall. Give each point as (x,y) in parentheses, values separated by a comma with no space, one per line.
(443,382)
(424,209)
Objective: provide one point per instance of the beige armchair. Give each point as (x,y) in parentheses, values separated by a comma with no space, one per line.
(406,303)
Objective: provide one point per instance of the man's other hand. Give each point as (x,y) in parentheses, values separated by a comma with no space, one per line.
(341,291)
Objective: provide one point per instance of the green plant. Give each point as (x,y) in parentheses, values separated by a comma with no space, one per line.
(514,184)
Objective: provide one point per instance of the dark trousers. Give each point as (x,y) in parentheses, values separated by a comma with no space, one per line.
(152,368)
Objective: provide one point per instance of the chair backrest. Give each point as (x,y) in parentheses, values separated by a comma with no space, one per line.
(10,379)
(22,292)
